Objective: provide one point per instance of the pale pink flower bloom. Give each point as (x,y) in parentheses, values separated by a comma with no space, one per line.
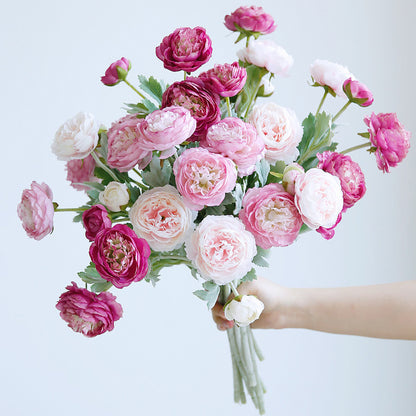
(290,174)
(79,171)
(318,197)
(161,217)
(221,249)
(280,130)
(36,210)
(265,53)
(203,178)
(116,72)
(250,18)
(233,138)
(270,214)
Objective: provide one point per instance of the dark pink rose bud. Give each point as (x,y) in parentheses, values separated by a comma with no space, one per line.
(390,139)
(185,49)
(252,19)
(116,72)
(88,313)
(226,80)
(95,219)
(120,257)
(357,93)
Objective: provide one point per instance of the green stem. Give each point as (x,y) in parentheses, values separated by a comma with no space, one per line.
(134,89)
(70,209)
(341,111)
(227,99)
(322,102)
(277,175)
(103,166)
(184,75)
(233,288)
(251,101)
(360,146)
(247,41)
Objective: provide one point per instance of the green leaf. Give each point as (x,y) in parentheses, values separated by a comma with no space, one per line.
(209,294)
(250,276)
(261,256)
(91,276)
(238,194)
(95,185)
(152,87)
(101,287)
(217,210)
(262,170)
(157,175)
(140,109)
(104,144)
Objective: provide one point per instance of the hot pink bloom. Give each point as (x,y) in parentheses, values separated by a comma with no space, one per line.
(203,104)
(270,214)
(203,178)
(252,19)
(357,93)
(79,171)
(36,210)
(221,249)
(164,129)
(95,219)
(185,49)
(124,145)
(329,232)
(226,80)
(390,139)
(116,72)
(233,138)
(348,172)
(89,313)
(120,257)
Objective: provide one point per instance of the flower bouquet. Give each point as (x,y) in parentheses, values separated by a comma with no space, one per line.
(208,173)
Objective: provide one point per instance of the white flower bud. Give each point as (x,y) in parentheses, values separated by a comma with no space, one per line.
(244,309)
(114,196)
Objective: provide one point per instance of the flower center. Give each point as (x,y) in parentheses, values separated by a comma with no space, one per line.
(118,251)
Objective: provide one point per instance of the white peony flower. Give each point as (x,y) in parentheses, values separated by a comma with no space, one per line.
(244,310)
(76,138)
(114,196)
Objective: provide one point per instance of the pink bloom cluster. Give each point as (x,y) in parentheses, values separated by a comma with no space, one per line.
(87,312)
(252,19)
(116,72)
(79,171)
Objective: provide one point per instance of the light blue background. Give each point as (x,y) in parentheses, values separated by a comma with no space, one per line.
(165,356)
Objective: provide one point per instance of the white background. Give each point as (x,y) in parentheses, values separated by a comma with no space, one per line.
(165,356)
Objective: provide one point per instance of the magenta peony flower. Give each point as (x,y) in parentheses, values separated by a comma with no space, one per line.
(116,72)
(226,80)
(185,49)
(124,146)
(203,104)
(329,232)
(203,178)
(36,210)
(79,171)
(87,312)
(233,138)
(120,257)
(95,219)
(252,19)
(348,172)
(390,139)
(270,214)
(357,92)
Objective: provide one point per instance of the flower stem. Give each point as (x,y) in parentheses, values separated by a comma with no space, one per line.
(70,209)
(134,89)
(184,75)
(322,102)
(234,289)
(360,146)
(251,100)
(341,111)
(103,166)
(227,99)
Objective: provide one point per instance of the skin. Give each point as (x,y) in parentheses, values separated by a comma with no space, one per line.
(379,311)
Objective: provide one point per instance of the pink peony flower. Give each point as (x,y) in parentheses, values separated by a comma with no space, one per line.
(124,145)
(226,80)
(200,101)
(116,72)
(36,210)
(265,53)
(330,74)
(348,172)
(290,174)
(357,92)
(270,214)
(280,130)
(221,249)
(161,217)
(252,19)
(79,171)
(120,257)
(233,138)
(88,313)
(203,178)
(318,198)
(390,139)
(185,49)
(164,129)
(95,219)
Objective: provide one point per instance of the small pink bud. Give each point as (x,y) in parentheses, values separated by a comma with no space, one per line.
(358,93)
(116,72)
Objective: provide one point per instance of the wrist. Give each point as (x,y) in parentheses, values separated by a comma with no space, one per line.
(291,310)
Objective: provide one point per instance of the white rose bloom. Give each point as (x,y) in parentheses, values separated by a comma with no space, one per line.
(114,196)
(331,74)
(319,198)
(280,130)
(76,138)
(267,54)
(161,217)
(245,310)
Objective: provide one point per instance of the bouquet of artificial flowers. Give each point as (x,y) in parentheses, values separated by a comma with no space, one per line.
(199,173)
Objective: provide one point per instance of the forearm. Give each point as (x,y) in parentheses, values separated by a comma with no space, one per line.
(381,311)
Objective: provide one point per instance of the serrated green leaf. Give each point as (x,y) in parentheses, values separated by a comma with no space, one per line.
(262,170)
(101,287)
(91,276)
(157,175)
(238,194)
(218,210)
(104,144)
(95,185)
(261,256)
(152,87)
(209,294)
(93,194)
(139,109)
(250,276)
